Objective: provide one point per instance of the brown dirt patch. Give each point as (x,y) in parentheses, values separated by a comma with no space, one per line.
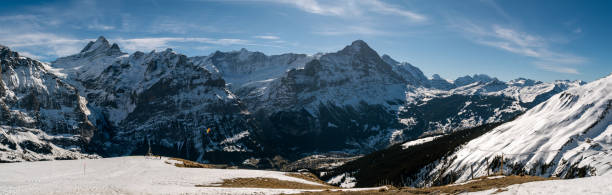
(191,164)
(260,182)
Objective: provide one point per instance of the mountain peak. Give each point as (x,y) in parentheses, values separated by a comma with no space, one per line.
(359,43)
(102,45)
(5,52)
(359,47)
(436,77)
(101,39)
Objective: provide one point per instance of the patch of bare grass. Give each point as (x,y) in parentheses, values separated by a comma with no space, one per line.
(192,164)
(480,184)
(260,182)
(309,177)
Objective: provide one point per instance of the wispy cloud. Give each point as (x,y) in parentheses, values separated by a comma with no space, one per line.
(352,8)
(521,43)
(41,45)
(267,37)
(100,27)
(554,68)
(147,44)
(164,24)
(384,8)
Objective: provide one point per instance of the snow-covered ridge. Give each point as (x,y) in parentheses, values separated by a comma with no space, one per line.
(568,135)
(419,141)
(91,61)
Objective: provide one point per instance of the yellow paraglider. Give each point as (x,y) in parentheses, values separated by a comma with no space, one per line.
(208,131)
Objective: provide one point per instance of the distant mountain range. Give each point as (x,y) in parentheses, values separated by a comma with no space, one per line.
(105,102)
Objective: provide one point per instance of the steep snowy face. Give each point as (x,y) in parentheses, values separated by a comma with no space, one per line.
(32,99)
(162,100)
(90,62)
(246,69)
(352,75)
(345,100)
(410,73)
(569,135)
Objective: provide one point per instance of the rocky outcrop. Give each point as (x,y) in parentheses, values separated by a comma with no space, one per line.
(33,99)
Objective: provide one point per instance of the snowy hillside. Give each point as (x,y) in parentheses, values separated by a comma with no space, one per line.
(589,185)
(130,175)
(569,135)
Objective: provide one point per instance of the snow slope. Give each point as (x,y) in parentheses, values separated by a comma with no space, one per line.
(589,185)
(569,135)
(126,175)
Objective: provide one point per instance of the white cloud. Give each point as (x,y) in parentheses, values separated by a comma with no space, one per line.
(158,43)
(351,8)
(29,55)
(100,27)
(267,37)
(521,43)
(383,8)
(163,24)
(558,69)
(41,45)
(313,6)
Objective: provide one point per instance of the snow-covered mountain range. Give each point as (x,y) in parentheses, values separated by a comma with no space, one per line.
(353,100)
(569,135)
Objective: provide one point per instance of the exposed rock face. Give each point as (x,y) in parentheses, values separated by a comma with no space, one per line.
(33,99)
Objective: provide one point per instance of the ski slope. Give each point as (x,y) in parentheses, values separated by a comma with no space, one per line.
(587,185)
(128,175)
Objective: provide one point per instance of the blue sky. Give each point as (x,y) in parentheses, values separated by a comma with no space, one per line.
(543,40)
